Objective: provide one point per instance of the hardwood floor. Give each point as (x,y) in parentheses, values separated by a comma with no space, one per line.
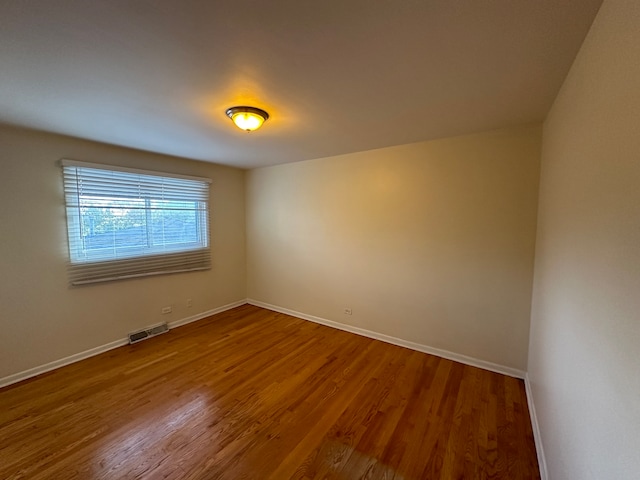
(251,393)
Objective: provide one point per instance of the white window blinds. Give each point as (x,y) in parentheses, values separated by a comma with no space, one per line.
(125,223)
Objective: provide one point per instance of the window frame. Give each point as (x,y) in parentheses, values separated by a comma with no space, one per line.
(134,184)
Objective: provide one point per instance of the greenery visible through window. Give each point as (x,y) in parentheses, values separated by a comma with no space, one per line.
(124,223)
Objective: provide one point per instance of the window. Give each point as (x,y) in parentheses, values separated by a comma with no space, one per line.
(125,223)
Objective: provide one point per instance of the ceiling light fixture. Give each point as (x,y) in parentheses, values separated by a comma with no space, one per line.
(247,118)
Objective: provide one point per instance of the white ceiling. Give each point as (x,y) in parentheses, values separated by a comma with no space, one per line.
(337,76)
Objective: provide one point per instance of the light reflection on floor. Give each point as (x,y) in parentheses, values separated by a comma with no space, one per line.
(145,441)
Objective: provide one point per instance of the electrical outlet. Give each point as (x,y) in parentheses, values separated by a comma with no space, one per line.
(166,310)
(348,311)
(189,303)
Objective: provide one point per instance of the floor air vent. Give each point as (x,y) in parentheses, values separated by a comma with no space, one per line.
(148,333)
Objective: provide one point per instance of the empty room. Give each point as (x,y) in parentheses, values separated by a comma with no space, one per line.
(329,240)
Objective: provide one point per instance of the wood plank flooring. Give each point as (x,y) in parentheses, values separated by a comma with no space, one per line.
(254,394)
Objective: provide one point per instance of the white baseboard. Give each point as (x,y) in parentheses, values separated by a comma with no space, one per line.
(542,463)
(474,362)
(47,367)
(208,313)
(32,372)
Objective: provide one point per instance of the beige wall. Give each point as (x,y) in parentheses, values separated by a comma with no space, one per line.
(42,319)
(584,360)
(430,242)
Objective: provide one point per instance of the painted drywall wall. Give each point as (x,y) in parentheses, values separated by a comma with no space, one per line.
(584,360)
(42,319)
(431,243)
